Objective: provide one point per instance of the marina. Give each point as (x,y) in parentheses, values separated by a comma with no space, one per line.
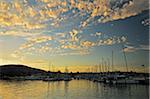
(74,49)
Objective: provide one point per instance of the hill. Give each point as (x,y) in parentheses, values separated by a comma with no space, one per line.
(12,70)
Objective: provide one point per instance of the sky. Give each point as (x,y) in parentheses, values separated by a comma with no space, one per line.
(77,34)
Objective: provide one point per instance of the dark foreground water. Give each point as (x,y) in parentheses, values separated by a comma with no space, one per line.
(75,89)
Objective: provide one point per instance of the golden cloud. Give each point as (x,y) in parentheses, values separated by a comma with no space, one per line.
(87,44)
(36,40)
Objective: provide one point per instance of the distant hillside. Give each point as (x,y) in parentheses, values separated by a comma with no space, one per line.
(18,70)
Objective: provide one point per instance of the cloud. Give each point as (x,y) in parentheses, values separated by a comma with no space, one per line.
(61,35)
(34,17)
(33,25)
(144,47)
(129,49)
(50,15)
(87,44)
(13,14)
(97,34)
(24,15)
(18,33)
(111,41)
(36,40)
(69,46)
(75,52)
(73,35)
(133,48)
(128,9)
(108,10)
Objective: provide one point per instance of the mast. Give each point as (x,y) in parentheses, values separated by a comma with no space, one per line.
(125,58)
(112,61)
(49,66)
(66,70)
(108,64)
(102,65)
(105,66)
(53,68)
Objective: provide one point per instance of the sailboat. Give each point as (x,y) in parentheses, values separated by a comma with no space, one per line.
(48,78)
(58,77)
(66,76)
(123,78)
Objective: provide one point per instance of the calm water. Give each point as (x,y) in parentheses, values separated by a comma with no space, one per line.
(75,89)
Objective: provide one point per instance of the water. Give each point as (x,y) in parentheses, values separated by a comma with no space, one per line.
(75,89)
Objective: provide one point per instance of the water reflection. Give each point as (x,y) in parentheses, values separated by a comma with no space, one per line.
(76,89)
(66,84)
(48,91)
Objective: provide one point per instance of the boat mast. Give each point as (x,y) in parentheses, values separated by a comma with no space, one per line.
(112,61)
(66,70)
(102,65)
(105,66)
(108,65)
(49,66)
(125,58)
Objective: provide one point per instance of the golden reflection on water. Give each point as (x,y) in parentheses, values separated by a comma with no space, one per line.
(76,89)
